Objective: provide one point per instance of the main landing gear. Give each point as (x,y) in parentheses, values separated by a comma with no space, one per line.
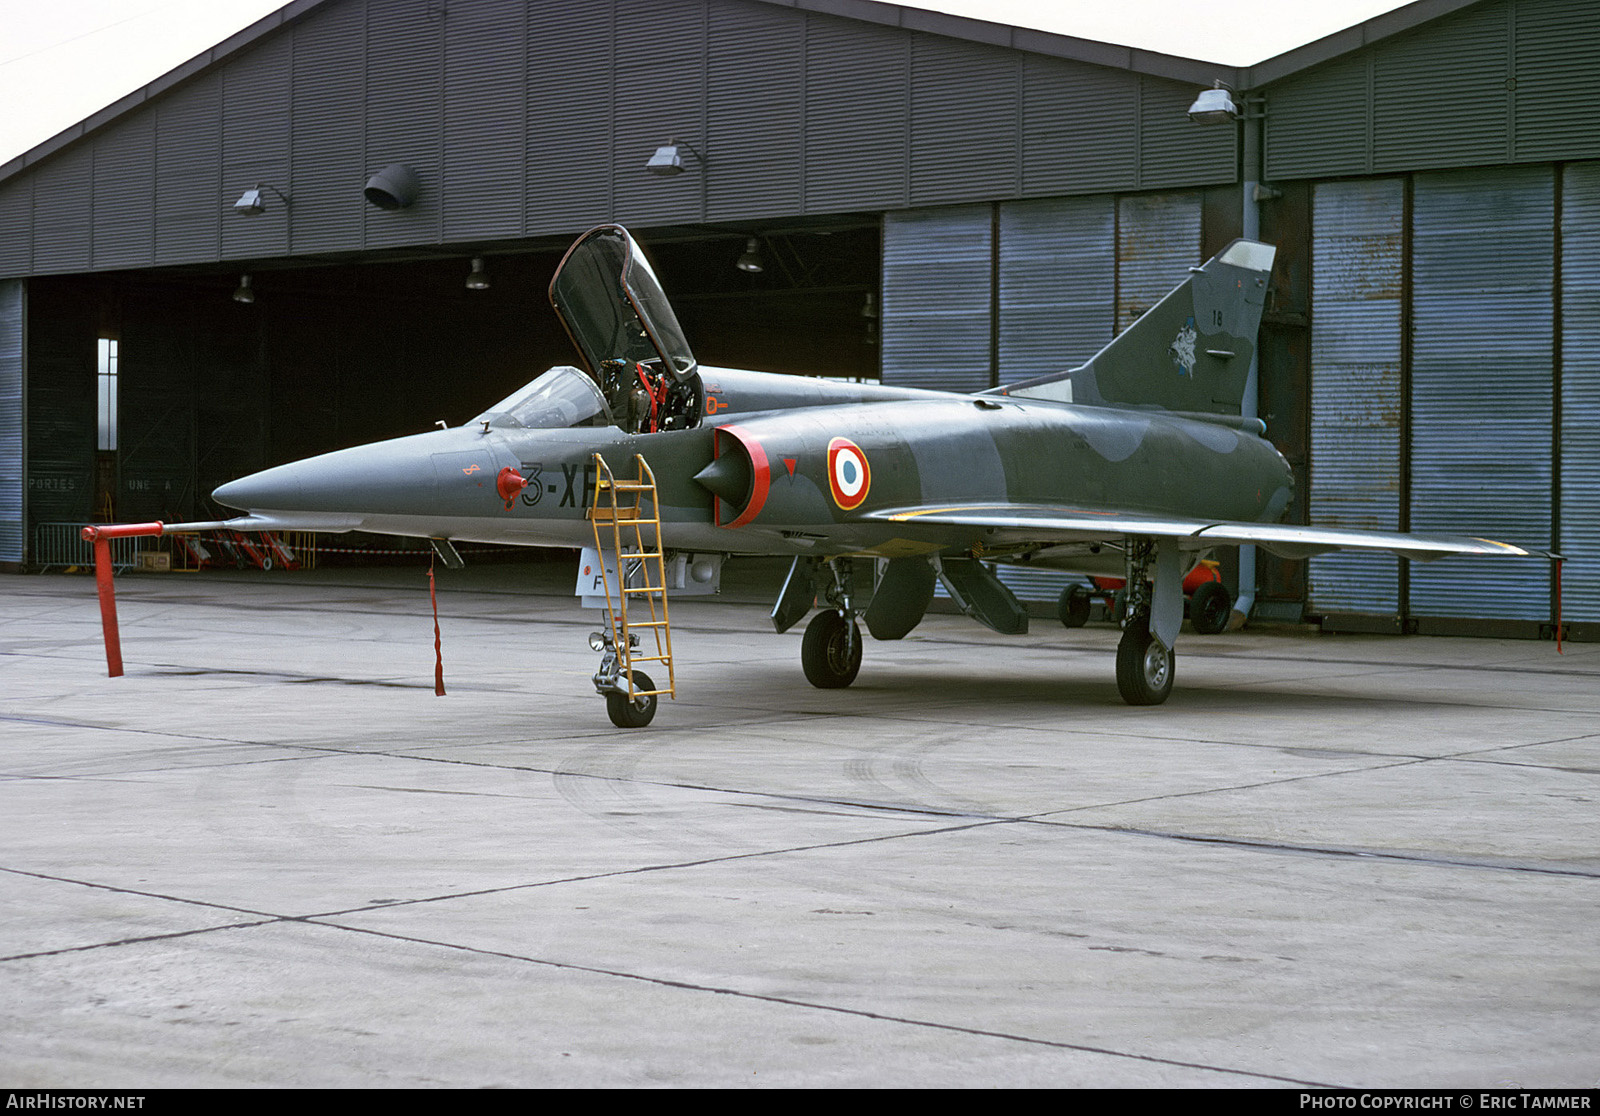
(830,653)
(1151,605)
(1146,664)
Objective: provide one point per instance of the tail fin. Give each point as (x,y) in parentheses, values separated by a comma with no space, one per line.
(1189,352)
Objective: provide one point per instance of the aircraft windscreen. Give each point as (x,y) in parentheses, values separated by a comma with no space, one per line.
(562,397)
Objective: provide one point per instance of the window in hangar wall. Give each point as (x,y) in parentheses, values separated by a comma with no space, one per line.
(106,395)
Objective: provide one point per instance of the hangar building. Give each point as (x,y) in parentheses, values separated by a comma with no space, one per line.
(931,200)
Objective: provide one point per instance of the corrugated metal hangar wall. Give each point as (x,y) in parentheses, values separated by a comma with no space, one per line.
(526,123)
(1010,199)
(534,119)
(1455,261)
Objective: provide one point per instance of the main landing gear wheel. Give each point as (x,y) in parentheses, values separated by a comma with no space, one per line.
(626,712)
(830,653)
(1073,606)
(1210,608)
(1145,666)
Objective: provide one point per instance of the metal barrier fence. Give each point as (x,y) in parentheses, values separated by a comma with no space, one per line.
(62,545)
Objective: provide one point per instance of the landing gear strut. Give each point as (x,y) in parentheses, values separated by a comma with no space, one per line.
(1146,665)
(830,653)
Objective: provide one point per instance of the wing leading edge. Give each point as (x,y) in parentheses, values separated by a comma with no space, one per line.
(1017,523)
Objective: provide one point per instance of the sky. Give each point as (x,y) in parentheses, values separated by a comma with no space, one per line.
(63,60)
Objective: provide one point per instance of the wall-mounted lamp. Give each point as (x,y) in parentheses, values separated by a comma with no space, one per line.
(243,293)
(252,204)
(478,279)
(668,159)
(751,260)
(1214,106)
(394,187)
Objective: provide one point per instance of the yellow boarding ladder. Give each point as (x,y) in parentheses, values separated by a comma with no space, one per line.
(634,541)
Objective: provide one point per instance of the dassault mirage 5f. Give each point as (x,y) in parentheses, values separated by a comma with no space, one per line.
(1135,464)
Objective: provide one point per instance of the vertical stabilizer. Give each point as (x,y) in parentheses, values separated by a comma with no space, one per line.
(1189,352)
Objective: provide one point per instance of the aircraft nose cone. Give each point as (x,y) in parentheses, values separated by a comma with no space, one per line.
(277,489)
(419,474)
(254,492)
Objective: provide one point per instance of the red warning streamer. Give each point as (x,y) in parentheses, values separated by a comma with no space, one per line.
(438,650)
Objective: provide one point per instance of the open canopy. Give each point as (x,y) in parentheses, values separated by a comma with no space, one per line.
(613,306)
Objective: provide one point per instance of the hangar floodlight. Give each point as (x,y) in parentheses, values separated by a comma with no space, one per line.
(668,159)
(243,293)
(478,280)
(1214,106)
(394,187)
(751,260)
(252,204)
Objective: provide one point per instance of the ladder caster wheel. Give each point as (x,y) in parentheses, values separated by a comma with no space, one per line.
(626,712)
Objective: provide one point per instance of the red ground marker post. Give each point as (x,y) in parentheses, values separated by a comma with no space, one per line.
(101,537)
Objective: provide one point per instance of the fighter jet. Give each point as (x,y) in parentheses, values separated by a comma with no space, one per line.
(1135,464)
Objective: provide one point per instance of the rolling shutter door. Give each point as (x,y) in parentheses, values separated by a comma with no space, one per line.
(1580,391)
(1158,241)
(1482,386)
(1058,286)
(1060,290)
(1357,261)
(936,297)
(1058,283)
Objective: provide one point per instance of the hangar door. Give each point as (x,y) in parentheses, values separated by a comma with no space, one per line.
(979,295)
(1357,404)
(1503,437)
(1579,507)
(1482,385)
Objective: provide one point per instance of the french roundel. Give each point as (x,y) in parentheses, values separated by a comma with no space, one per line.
(849,475)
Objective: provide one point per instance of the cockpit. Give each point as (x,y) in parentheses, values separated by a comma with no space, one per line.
(612,306)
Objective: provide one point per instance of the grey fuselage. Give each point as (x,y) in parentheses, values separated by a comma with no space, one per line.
(923,450)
